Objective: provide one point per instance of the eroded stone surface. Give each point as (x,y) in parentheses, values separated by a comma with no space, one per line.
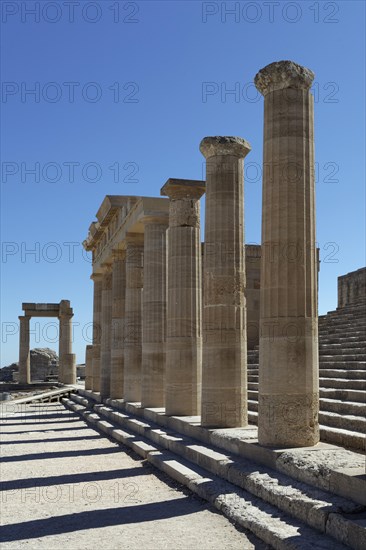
(283,74)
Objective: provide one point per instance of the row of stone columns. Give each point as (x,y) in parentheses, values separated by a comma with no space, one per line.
(193,361)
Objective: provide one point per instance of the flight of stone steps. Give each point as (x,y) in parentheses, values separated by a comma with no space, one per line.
(275,503)
(342,377)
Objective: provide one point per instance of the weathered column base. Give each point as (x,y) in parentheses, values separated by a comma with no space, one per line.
(288,420)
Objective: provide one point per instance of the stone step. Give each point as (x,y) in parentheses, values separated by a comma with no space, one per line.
(292,499)
(351,347)
(341,383)
(330,340)
(342,365)
(346,422)
(344,438)
(342,320)
(329,401)
(343,333)
(327,370)
(330,350)
(357,396)
(341,373)
(341,406)
(343,329)
(361,359)
(252,395)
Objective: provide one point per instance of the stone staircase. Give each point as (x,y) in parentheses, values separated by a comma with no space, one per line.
(342,377)
(288,503)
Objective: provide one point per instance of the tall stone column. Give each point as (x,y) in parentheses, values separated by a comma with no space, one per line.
(118,318)
(154,312)
(288,357)
(184,298)
(97,329)
(67,363)
(133,316)
(24,355)
(106,339)
(88,367)
(224,373)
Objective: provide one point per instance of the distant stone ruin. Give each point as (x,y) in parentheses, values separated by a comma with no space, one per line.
(44,364)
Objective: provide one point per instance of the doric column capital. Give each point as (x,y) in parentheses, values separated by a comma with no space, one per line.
(283,74)
(24,318)
(224,145)
(183,189)
(65,309)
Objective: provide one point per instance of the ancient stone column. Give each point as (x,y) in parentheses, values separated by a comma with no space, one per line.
(118,316)
(184,298)
(154,312)
(224,373)
(288,358)
(97,329)
(67,363)
(88,367)
(24,355)
(133,319)
(106,337)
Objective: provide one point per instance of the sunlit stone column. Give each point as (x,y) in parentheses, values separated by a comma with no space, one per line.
(133,322)
(97,329)
(224,373)
(106,339)
(118,315)
(184,305)
(88,367)
(154,311)
(67,363)
(24,355)
(288,360)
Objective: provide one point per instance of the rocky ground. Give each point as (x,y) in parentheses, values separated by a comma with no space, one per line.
(65,486)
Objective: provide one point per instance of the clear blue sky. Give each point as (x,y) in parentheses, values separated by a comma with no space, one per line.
(136,86)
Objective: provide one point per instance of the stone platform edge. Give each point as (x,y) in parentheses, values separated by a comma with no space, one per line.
(326,466)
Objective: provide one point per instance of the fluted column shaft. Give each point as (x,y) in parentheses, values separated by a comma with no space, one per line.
(288,363)
(184,298)
(24,355)
(67,366)
(97,330)
(133,317)
(224,384)
(154,313)
(106,337)
(89,367)
(118,316)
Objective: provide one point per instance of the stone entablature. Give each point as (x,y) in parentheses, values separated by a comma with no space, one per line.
(352,287)
(118,216)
